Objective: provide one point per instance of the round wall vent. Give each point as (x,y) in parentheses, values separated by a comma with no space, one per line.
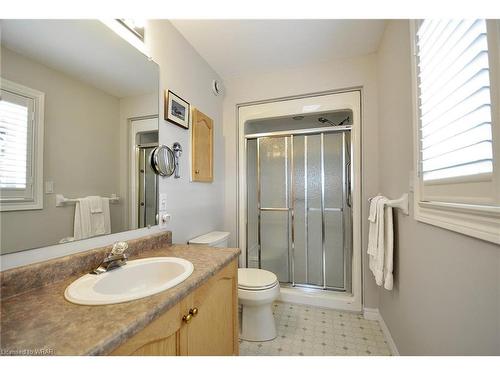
(217,88)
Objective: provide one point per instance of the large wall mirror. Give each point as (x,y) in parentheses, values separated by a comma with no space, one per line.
(78,123)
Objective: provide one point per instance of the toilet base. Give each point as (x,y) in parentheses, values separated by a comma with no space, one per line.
(257,323)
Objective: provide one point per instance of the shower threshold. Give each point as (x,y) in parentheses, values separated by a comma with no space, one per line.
(311,286)
(318,296)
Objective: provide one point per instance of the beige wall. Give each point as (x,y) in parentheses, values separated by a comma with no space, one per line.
(334,75)
(80,152)
(196,207)
(446,297)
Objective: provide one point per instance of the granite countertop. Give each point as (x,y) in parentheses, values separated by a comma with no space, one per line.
(41,321)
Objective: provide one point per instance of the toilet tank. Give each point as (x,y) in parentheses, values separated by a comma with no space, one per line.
(215,239)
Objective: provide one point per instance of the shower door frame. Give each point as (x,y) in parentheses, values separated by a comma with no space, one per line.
(347,99)
(142,195)
(288,137)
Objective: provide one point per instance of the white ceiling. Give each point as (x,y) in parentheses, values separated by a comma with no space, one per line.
(243,47)
(86,50)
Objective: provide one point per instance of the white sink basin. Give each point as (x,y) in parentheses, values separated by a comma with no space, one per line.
(137,279)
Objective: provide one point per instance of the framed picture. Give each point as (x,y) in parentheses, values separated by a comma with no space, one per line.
(176,110)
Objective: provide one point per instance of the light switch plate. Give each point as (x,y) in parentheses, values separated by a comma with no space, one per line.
(411,182)
(49,187)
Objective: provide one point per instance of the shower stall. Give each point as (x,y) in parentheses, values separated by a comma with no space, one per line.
(147,180)
(298,198)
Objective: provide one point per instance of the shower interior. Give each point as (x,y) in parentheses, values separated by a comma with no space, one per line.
(299,221)
(147,179)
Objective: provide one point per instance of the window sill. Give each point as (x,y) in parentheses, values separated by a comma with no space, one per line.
(481,222)
(20,206)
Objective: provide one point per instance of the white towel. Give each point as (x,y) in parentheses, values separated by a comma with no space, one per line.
(373,232)
(82,226)
(380,241)
(88,224)
(388,249)
(95,204)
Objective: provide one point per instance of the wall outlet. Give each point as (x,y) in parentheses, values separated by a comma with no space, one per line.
(164,220)
(163,202)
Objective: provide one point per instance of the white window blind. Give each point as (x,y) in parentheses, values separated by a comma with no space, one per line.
(21,147)
(454,99)
(14,134)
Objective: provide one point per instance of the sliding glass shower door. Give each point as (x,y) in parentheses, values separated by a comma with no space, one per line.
(298,216)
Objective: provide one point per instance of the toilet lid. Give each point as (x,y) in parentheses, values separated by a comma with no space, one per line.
(254,278)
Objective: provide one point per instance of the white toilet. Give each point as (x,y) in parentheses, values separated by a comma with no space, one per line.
(257,290)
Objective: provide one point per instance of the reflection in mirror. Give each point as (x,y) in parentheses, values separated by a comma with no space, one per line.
(78,123)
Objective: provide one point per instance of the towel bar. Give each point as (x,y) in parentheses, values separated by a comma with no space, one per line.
(61,200)
(401,203)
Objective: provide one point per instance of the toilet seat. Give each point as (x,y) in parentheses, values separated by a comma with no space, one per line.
(254,279)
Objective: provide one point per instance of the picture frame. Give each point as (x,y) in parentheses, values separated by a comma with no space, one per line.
(177,110)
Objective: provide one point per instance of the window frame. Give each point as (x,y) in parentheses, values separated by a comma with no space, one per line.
(475,220)
(38,97)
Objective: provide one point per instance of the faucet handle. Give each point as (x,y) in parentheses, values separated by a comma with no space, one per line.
(119,248)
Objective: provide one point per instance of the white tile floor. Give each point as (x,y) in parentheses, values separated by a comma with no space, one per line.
(306,330)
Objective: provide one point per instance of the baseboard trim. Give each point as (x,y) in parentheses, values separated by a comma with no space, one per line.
(374,314)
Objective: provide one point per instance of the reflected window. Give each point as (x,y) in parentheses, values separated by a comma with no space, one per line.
(21,146)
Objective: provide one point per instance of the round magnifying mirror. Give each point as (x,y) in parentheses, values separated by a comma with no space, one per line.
(162,161)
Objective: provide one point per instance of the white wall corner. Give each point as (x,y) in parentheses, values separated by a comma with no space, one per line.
(374,314)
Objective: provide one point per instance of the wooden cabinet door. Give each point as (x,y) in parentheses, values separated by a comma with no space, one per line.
(161,337)
(201,147)
(214,329)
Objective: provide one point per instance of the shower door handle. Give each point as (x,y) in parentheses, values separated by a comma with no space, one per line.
(348,183)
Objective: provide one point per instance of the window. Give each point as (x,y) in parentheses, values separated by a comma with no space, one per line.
(456,89)
(21,147)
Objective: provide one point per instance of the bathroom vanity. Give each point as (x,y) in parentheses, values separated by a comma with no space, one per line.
(203,323)
(196,317)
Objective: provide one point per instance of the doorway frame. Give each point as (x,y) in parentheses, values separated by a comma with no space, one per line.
(134,128)
(350,99)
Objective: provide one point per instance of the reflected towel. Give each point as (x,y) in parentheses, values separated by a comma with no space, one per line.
(95,204)
(88,224)
(82,227)
(100,221)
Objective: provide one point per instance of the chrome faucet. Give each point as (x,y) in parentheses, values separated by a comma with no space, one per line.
(116,258)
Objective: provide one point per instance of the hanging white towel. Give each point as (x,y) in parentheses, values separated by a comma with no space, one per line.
(380,241)
(88,224)
(82,226)
(95,204)
(388,249)
(100,221)
(373,232)
(376,259)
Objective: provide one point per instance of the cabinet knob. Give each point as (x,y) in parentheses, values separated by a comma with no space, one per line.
(187,318)
(197,171)
(191,314)
(193,311)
